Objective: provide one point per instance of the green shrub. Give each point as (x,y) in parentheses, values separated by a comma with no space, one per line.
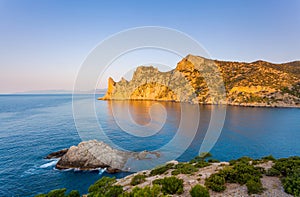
(54,193)
(199,191)
(170,185)
(161,169)
(138,179)
(229,174)
(74,193)
(268,158)
(291,183)
(289,169)
(147,191)
(286,166)
(216,183)
(113,191)
(242,172)
(102,184)
(254,186)
(205,155)
(60,193)
(213,161)
(157,182)
(201,164)
(184,168)
(104,187)
(202,157)
(241,160)
(273,172)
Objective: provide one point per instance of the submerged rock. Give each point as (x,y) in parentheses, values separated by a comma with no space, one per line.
(95,154)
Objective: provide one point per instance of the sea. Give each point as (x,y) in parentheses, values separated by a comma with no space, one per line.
(32,126)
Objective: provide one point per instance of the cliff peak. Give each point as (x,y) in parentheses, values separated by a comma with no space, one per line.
(257,83)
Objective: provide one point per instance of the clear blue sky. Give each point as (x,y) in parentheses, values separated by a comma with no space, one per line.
(43,42)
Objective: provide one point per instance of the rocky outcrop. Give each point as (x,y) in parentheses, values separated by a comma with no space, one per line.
(200,80)
(95,154)
(57,154)
(110,88)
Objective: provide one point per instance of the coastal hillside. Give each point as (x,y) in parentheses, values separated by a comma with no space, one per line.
(199,80)
(203,176)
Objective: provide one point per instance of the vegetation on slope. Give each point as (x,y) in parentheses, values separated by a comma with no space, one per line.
(289,171)
(240,171)
(243,171)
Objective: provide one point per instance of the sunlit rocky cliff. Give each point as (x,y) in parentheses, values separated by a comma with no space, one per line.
(200,80)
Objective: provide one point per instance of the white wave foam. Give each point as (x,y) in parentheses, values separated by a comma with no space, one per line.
(62,170)
(46,165)
(101,170)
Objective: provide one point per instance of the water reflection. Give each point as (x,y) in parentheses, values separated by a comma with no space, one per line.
(140,113)
(247,131)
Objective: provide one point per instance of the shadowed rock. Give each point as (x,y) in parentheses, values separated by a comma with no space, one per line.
(57,154)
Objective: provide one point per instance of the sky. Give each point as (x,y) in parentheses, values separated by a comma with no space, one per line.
(43,43)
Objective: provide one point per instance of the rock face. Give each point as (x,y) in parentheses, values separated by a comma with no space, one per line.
(94,154)
(200,80)
(57,154)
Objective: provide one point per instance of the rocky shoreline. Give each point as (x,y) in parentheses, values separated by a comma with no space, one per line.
(241,177)
(258,105)
(93,154)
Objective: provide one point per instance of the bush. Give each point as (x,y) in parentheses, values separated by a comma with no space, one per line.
(60,193)
(74,193)
(199,191)
(201,164)
(147,191)
(229,174)
(162,169)
(201,157)
(205,155)
(286,166)
(113,191)
(57,193)
(170,185)
(216,183)
(243,172)
(254,186)
(291,183)
(184,168)
(213,161)
(268,158)
(241,160)
(102,184)
(289,169)
(138,179)
(273,172)
(104,187)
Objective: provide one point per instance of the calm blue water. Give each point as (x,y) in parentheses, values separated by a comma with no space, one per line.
(32,126)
